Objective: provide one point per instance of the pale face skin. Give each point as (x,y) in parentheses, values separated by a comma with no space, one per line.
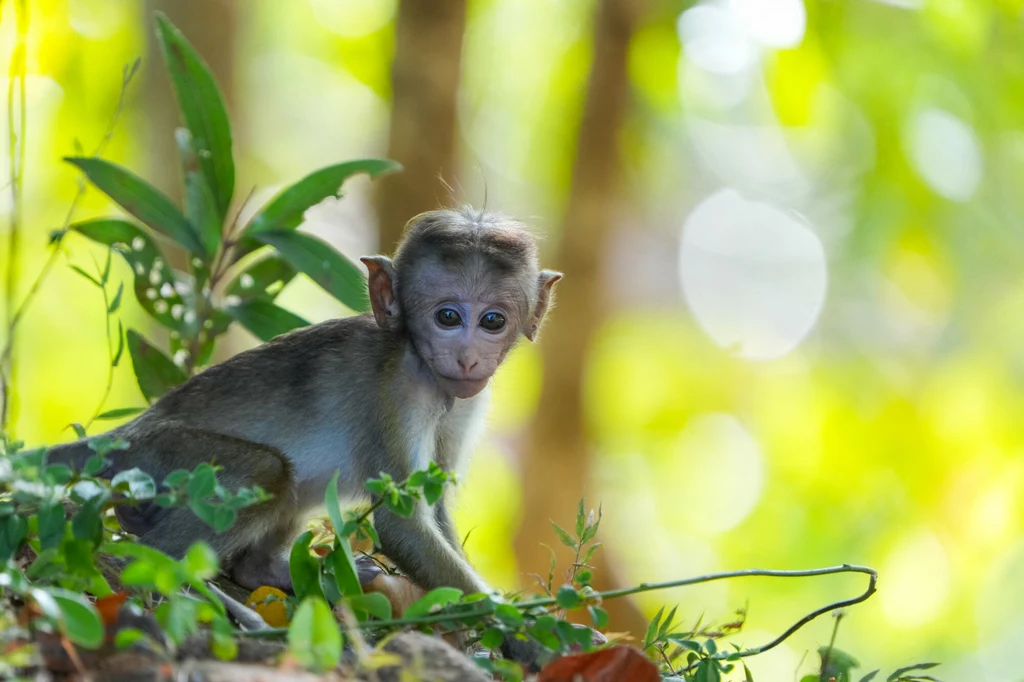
(466,328)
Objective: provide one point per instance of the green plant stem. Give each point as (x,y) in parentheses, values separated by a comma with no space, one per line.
(15,319)
(831,644)
(15,137)
(110,361)
(487,609)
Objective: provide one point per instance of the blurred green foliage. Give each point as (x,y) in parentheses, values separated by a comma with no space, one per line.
(890,437)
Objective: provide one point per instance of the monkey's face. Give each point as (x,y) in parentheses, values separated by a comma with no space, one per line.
(463,324)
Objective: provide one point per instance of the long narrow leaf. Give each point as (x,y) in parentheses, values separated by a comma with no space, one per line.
(202,108)
(263,279)
(284,211)
(200,204)
(140,199)
(325,266)
(154,371)
(264,319)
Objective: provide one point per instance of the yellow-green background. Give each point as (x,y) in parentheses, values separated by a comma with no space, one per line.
(900,450)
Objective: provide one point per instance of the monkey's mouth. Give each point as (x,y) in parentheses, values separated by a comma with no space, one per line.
(462,388)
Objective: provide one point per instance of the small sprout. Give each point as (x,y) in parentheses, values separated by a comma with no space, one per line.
(166,290)
(154,276)
(181,357)
(176,311)
(207,324)
(197,263)
(246,280)
(232,301)
(160,307)
(138,244)
(151,294)
(190,317)
(139,268)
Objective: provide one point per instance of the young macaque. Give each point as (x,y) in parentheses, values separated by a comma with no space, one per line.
(382,392)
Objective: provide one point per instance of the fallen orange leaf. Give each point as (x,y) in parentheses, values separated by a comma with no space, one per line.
(614,664)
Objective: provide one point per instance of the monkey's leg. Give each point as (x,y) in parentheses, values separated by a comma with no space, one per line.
(251,547)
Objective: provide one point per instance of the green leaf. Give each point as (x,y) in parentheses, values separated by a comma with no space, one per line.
(285,211)
(509,615)
(711,647)
(567,597)
(304,569)
(201,207)
(747,675)
(51,521)
(263,279)
(116,303)
(119,413)
(900,672)
(85,274)
(120,347)
(564,536)
(203,111)
(652,628)
(201,561)
(314,638)
(599,617)
(137,483)
(79,618)
(265,319)
(374,603)
(492,638)
(125,637)
(867,678)
(156,285)
(154,371)
(707,671)
(343,562)
(434,600)
(325,266)
(140,199)
(13,530)
(581,518)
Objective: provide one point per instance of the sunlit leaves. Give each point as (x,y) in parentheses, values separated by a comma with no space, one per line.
(202,108)
(321,263)
(140,199)
(314,638)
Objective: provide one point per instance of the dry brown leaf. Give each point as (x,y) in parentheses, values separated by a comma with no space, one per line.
(615,664)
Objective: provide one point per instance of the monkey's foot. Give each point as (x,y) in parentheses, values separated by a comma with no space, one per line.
(253,571)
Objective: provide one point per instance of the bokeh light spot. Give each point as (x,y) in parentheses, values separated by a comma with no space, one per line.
(916,581)
(724,473)
(754,275)
(773,23)
(945,152)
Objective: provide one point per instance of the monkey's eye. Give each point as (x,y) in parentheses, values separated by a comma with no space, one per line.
(446,317)
(492,322)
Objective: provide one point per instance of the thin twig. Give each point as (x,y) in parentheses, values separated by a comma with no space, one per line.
(487,609)
(51,260)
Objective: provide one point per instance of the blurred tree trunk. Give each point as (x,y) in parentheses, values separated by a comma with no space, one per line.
(556,462)
(212,27)
(425,81)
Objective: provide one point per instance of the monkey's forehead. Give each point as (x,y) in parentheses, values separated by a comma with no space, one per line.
(468,281)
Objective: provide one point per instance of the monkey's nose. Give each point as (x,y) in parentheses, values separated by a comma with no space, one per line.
(467,365)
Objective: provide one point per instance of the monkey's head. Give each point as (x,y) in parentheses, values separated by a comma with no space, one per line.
(464,286)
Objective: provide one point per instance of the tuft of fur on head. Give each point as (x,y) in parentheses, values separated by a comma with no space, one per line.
(465,235)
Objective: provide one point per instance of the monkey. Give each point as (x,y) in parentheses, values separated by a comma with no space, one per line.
(388,391)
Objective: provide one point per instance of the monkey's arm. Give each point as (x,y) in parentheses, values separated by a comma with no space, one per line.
(418,547)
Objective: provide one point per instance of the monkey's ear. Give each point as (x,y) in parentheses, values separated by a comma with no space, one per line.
(381,286)
(545,280)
